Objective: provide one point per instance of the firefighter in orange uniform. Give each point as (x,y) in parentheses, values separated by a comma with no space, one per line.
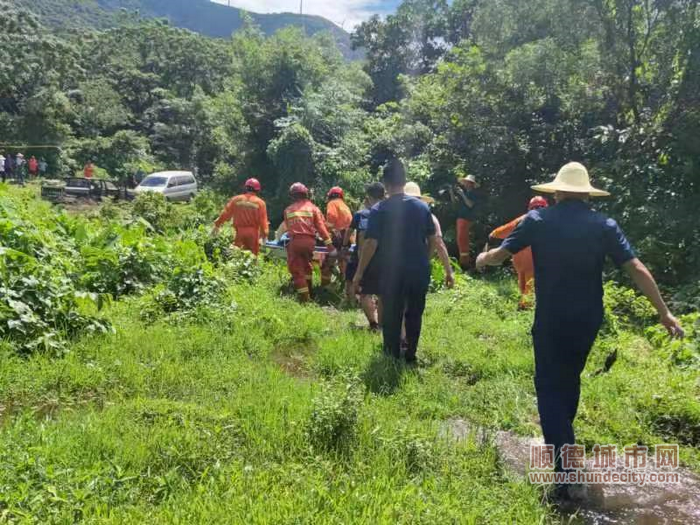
(522,261)
(303,221)
(338,219)
(248,213)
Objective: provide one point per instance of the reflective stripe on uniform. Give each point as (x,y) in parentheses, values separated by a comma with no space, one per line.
(247,204)
(302,290)
(301,213)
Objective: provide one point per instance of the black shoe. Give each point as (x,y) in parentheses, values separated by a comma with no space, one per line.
(411,359)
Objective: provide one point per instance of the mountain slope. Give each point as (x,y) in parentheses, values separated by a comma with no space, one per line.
(202,16)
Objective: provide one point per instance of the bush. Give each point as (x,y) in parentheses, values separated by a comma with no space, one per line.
(623,306)
(333,420)
(187,290)
(684,353)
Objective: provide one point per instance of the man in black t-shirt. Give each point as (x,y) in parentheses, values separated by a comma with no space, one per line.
(401,237)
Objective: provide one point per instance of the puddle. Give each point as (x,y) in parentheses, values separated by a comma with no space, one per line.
(606,504)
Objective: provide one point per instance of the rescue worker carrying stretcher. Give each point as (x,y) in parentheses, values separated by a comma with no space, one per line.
(248,214)
(303,222)
(338,219)
(522,261)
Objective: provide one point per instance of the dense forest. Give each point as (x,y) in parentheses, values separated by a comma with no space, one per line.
(503,89)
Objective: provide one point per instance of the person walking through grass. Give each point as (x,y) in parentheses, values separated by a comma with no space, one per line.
(303,221)
(338,219)
(369,287)
(467,208)
(522,261)
(401,234)
(570,243)
(247,213)
(20,169)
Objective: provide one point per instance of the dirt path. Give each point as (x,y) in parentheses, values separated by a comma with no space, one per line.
(606,504)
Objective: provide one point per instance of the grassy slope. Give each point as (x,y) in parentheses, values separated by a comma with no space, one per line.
(210,423)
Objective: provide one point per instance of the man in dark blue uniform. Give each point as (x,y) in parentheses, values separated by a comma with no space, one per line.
(369,286)
(401,235)
(570,243)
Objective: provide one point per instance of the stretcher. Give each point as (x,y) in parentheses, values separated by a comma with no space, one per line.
(278,249)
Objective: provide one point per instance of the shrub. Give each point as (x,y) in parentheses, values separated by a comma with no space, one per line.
(333,420)
(155,210)
(684,353)
(186,290)
(623,306)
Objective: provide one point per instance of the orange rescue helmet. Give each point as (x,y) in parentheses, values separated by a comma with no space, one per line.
(253,185)
(336,192)
(298,189)
(537,202)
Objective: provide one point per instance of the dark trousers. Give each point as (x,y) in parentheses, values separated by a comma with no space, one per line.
(403,297)
(561,352)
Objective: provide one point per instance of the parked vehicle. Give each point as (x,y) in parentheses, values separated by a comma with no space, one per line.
(81,188)
(173,185)
(53,190)
(92,188)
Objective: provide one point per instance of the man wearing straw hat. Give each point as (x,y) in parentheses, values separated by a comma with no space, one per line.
(570,243)
(467,205)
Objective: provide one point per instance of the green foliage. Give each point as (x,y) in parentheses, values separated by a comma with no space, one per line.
(623,305)
(184,290)
(684,353)
(58,271)
(332,424)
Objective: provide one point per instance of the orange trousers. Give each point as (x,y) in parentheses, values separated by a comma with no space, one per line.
(248,239)
(464,230)
(300,256)
(526,274)
(328,263)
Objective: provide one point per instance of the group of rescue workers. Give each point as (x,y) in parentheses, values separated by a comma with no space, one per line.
(562,248)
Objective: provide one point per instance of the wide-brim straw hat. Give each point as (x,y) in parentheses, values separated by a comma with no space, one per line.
(572,178)
(413,190)
(470,178)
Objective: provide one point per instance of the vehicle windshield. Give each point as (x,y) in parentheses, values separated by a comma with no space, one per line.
(152,182)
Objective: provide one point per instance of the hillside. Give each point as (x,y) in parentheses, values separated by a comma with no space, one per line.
(202,16)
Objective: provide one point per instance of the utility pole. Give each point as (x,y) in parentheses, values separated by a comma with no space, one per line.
(301,14)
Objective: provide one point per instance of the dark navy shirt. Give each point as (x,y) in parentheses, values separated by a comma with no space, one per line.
(359,224)
(464,211)
(401,225)
(570,243)
(359,220)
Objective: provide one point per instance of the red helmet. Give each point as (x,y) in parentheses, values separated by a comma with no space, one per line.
(253,184)
(537,202)
(336,191)
(298,189)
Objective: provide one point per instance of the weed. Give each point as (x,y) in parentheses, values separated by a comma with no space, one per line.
(332,423)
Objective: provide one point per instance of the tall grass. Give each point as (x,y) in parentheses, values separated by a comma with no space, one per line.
(254,409)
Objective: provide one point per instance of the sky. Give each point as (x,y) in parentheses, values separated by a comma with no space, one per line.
(345,13)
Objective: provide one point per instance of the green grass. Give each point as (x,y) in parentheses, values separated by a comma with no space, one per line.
(281,413)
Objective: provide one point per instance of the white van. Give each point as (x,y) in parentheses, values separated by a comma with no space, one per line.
(173,185)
